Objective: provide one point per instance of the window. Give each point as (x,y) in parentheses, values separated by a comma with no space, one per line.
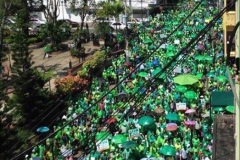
(231,8)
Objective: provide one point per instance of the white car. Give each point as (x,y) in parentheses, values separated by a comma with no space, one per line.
(117,25)
(36,23)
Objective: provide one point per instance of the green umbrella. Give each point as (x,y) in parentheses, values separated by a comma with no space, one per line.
(102,135)
(142,74)
(147,40)
(221,79)
(175,23)
(129,144)
(146,120)
(199,75)
(199,58)
(173,117)
(208,58)
(170,54)
(157,71)
(193,35)
(190,95)
(118,139)
(181,89)
(170,48)
(211,74)
(185,79)
(95,154)
(178,33)
(230,109)
(218,109)
(168,150)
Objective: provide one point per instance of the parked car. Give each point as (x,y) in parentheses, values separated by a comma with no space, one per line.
(71,23)
(117,25)
(36,23)
(106,20)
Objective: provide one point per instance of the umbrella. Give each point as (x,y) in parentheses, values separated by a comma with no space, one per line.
(211,74)
(129,144)
(95,154)
(185,79)
(190,95)
(170,47)
(171,127)
(221,79)
(121,96)
(118,139)
(111,120)
(159,110)
(142,74)
(208,58)
(43,129)
(102,135)
(190,123)
(199,75)
(168,150)
(116,24)
(147,40)
(146,120)
(181,89)
(156,71)
(218,109)
(190,111)
(173,117)
(170,54)
(230,109)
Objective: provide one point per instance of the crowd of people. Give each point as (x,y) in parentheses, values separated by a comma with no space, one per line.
(153,112)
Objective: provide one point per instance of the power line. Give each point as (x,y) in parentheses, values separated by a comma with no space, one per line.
(112,88)
(137,67)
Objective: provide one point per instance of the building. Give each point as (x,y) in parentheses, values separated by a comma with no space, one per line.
(229,22)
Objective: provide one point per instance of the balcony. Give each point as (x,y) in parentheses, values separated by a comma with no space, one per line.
(230,18)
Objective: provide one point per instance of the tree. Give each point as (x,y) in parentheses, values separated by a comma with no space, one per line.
(110,8)
(29,96)
(82,8)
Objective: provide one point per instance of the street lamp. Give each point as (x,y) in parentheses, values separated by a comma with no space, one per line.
(62,2)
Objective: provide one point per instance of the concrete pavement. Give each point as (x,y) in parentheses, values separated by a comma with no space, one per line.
(59,61)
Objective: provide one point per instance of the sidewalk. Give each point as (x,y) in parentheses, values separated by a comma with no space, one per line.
(59,62)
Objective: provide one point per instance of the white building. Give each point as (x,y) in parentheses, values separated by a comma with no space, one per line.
(65,12)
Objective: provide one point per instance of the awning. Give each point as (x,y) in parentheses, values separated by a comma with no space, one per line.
(222,98)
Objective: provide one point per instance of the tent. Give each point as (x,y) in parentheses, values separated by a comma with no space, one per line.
(220,98)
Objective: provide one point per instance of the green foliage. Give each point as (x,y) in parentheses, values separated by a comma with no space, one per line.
(102,29)
(110,8)
(93,64)
(58,33)
(29,96)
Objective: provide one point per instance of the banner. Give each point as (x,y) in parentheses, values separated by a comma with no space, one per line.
(102,145)
(181,106)
(134,133)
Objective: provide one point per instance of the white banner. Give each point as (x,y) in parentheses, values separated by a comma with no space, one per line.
(181,106)
(102,145)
